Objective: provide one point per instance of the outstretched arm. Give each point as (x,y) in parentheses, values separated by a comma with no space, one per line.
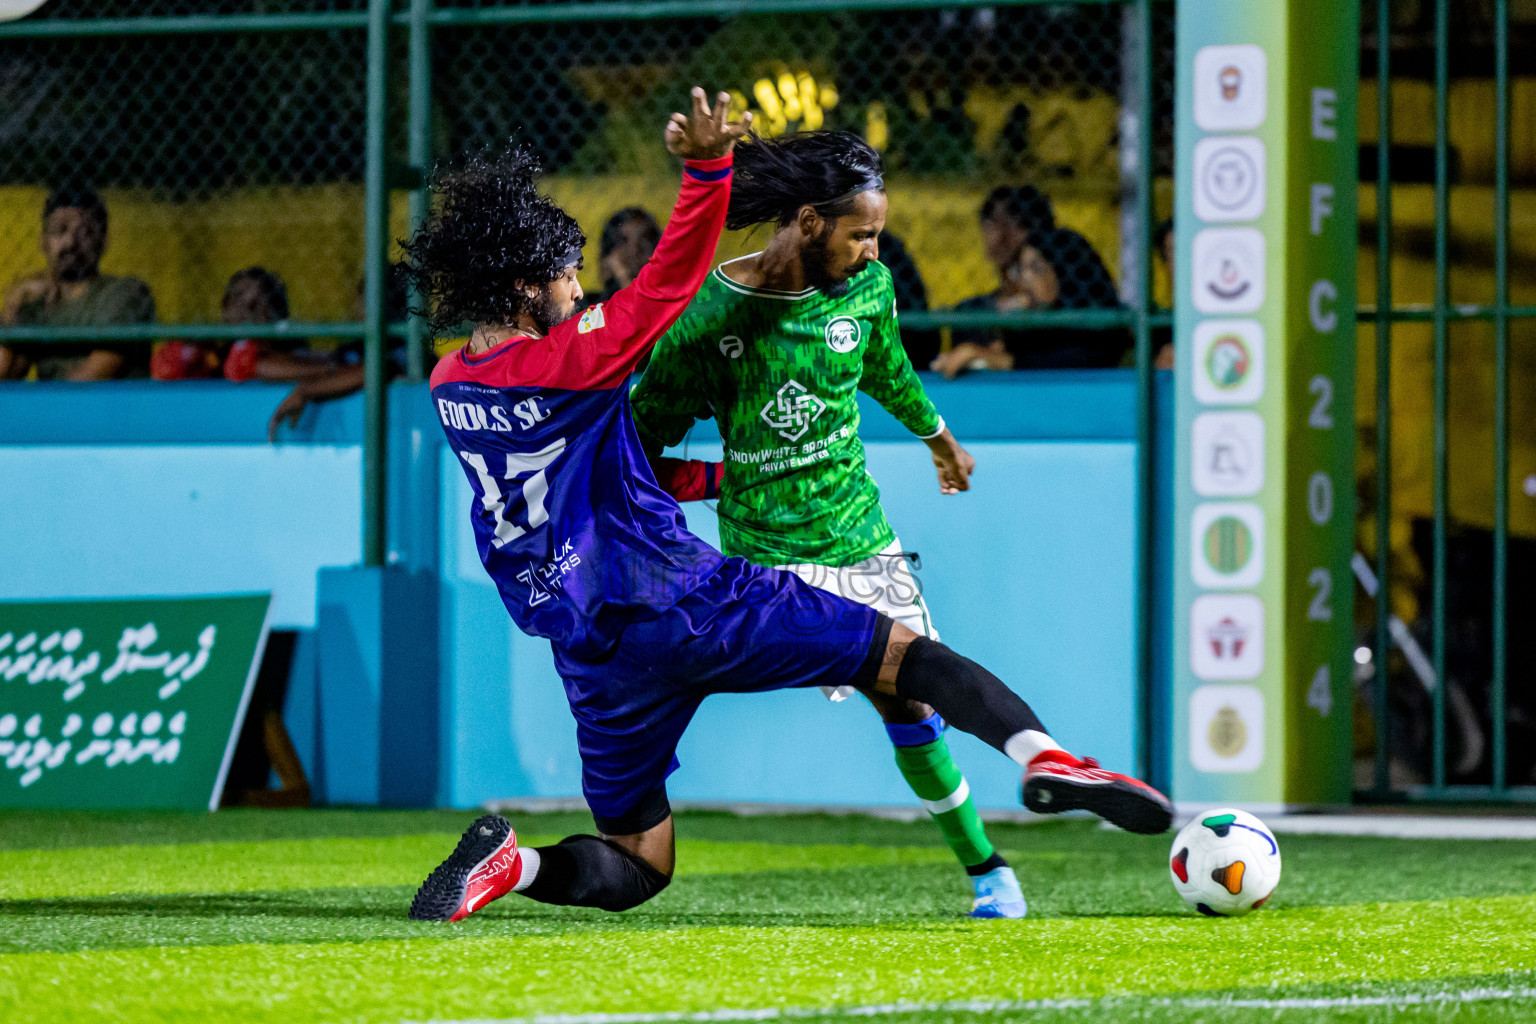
(624,328)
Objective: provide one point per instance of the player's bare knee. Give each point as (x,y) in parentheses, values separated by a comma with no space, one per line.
(895,652)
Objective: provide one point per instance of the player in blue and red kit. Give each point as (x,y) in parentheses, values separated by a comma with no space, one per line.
(645,619)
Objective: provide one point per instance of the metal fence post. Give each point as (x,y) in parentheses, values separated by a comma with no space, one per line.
(1497,691)
(420,144)
(1383,780)
(1442,270)
(376,241)
(1145,439)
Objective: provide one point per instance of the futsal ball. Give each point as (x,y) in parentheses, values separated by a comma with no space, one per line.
(1225,863)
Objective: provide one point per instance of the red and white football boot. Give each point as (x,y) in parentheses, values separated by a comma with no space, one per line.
(483,867)
(1055,781)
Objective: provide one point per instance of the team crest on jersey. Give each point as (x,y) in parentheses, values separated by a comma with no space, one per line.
(843,334)
(591,320)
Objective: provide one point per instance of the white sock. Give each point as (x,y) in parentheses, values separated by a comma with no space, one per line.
(1027,744)
(530,859)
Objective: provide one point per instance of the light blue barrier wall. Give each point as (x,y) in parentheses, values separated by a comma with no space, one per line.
(171,520)
(1030,572)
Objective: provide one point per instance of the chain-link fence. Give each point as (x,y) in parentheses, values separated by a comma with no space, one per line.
(166,165)
(214,151)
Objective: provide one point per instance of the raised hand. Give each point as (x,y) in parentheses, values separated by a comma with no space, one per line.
(705,134)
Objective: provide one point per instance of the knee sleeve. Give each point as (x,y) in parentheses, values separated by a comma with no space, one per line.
(586,871)
(968,696)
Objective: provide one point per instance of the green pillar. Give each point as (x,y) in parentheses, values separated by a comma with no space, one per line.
(1265,336)
(375,263)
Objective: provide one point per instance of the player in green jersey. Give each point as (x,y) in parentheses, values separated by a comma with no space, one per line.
(775,347)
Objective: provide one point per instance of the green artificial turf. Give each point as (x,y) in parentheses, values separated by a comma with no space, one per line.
(299,916)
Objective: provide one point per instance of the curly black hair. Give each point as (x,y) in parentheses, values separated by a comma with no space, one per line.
(773,178)
(488,228)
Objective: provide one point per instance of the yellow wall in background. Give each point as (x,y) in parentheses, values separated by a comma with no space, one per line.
(1470,359)
(312,237)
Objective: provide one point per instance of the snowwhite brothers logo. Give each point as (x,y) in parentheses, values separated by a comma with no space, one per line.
(793,410)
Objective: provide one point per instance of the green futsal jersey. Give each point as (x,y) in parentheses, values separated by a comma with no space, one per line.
(780,372)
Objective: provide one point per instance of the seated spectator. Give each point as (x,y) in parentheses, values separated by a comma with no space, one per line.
(911,296)
(625,246)
(347,375)
(254,295)
(1055,270)
(1010,216)
(73,292)
(1162,337)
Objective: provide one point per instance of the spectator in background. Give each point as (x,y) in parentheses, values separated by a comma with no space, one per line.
(348,375)
(1162,337)
(911,296)
(73,292)
(626,244)
(1054,270)
(254,295)
(1010,216)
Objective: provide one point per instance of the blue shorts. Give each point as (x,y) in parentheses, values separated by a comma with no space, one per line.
(747,629)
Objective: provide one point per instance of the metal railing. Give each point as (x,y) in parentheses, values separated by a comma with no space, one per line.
(1434,674)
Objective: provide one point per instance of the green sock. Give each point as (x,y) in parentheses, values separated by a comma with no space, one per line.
(936,779)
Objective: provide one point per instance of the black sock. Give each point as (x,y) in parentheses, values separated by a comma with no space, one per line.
(992,863)
(586,871)
(966,695)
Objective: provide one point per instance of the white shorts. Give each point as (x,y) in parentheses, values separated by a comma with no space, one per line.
(883,582)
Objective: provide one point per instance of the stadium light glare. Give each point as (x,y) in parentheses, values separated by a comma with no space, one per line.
(10,10)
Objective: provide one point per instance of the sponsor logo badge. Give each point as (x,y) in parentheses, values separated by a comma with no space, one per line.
(1226,728)
(843,334)
(732,347)
(1226,636)
(1229,174)
(1229,362)
(792,411)
(1231,87)
(1228,544)
(1229,270)
(591,320)
(1228,454)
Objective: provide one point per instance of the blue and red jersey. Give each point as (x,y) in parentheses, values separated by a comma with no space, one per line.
(568,517)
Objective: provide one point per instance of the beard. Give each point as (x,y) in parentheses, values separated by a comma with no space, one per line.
(833,282)
(76,266)
(547,312)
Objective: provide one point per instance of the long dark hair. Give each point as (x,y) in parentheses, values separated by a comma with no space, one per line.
(488,228)
(773,178)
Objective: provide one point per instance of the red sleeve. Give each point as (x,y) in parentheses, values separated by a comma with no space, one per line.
(622,330)
(600,348)
(688,479)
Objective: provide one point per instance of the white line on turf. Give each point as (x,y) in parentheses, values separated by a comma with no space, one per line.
(1472,995)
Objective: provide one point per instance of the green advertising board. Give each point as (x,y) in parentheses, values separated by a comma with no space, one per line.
(125,703)
(1264,328)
